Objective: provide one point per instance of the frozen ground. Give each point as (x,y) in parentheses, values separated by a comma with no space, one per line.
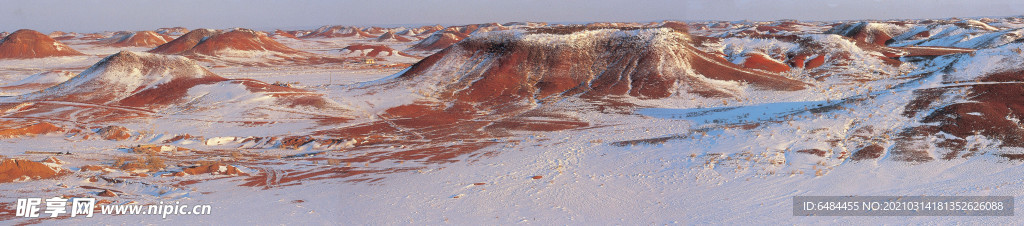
(347,153)
(583,179)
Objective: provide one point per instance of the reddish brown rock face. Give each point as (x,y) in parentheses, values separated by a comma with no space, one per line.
(873,151)
(451,35)
(26,43)
(139,83)
(510,71)
(375,50)
(816,62)
(21,128)
(285,34)
(865,32)
(798,61)
(213,168)
(437,41)
(391,36)
(137,39)
(104,82)
(514,68)
(114,133)
(11,170)
(107,193)
(991,111)
(763,62)
(185,42)
(209,42)
(244,40)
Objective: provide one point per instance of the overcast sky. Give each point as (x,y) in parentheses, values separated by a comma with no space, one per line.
(108,15)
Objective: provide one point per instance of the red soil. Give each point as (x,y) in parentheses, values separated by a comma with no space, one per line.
(201,44)
(879,38)
(922,35)
(21,128)
(763,62)
(988,115)
(295,142)
(432,154)
(488,102)
(180,137)
(26,43)
(167,93)
(87,168)
(114,133)
(136,101)
(923,99)
(66,37)
(375,50)
(816,62)
(172,31)
(107,193)
(699,27)
(8,211)
(798,61)
(1017,157)
(813,54)
(427,30)
(818,152)
(520,124)
(330,32)
(184,43)
(98,85)
(286,96)
(213,168)
(391,36)
(285,34)
(437,41)
(240,39)
(11,170)
(524,70)
(863,32)
(791,24)
(139,39)
(363,34)
(873,151)
(429,130)
(990,110)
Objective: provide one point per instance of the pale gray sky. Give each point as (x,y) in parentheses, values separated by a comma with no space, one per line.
(103,15)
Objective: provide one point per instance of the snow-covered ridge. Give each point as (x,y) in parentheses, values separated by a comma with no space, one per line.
(652,38)
(122,74)
(49,77)
(643,62)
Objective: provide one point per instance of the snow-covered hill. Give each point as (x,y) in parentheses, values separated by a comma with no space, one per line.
(711,122)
